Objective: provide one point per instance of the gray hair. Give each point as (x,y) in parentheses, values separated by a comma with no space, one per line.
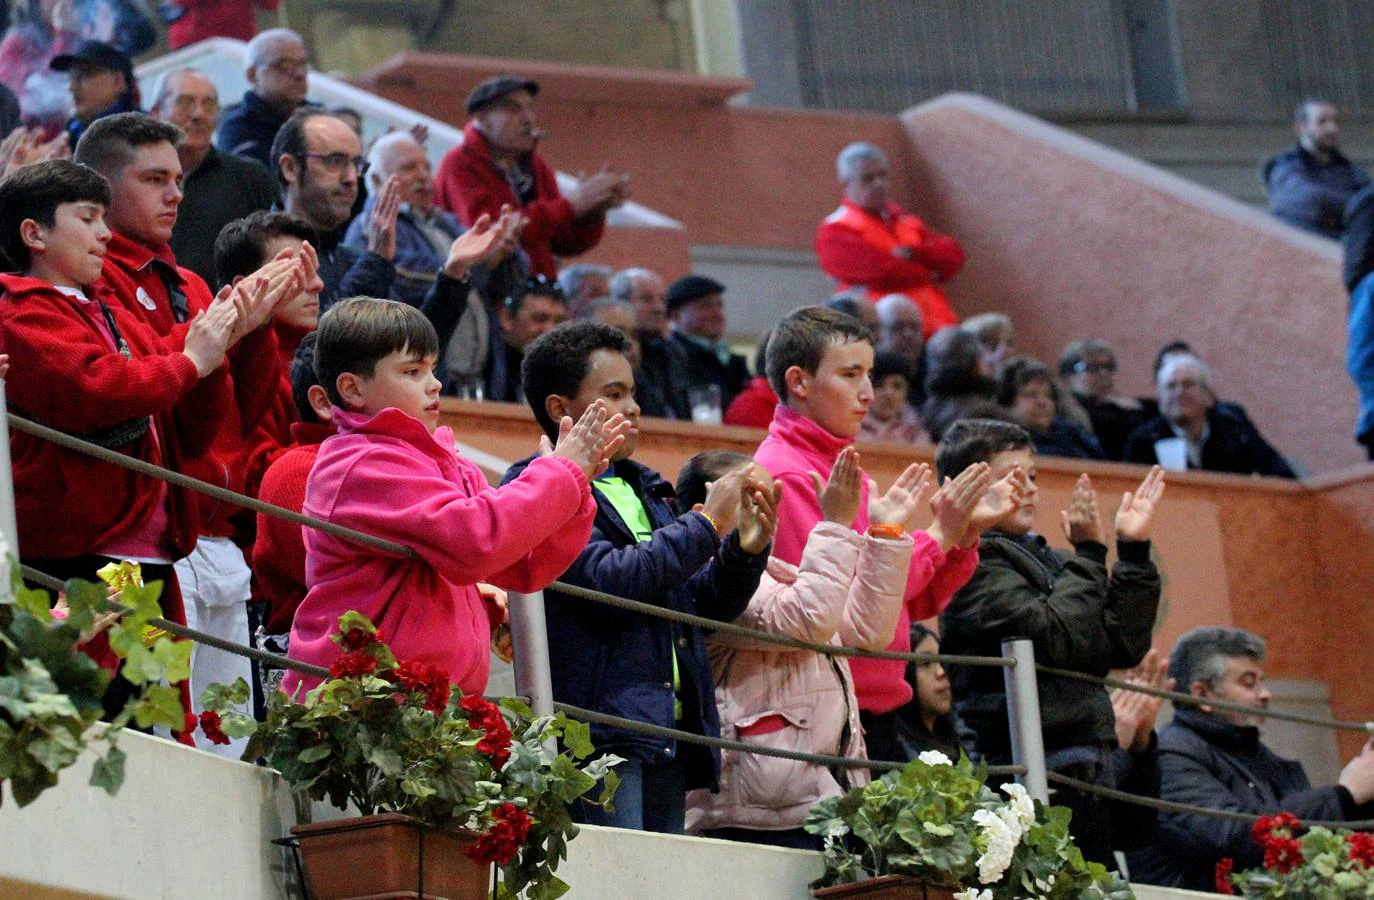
(570,279)
(1174,360)
(256,54)
(591,309)
(377,172)
(986,326)
(163,86)
(623,282)
(1079,351)
(1201,654)
(847,163)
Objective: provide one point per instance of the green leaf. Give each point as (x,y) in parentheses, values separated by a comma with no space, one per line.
(387,761)
(160,704)
(314,753)
(108,771)
(578,738)
(56,752)
(222,697)
(175,658)
(35,603)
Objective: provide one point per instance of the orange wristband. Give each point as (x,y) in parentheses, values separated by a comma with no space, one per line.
(891,532)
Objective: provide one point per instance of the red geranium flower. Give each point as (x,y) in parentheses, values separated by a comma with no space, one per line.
(357,637)
(210,724)
(502,841)
(1361,848)
(487,718)
(1223,876)
(427,679)
(1283,855)
(1276,827)
(353,664)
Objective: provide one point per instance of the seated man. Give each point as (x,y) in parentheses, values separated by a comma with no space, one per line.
(1194,431)
(873,243)
(496,166)
(698,355)
(278,78)
(1089,369)
(584,283)
(101,80)
(621,315)
(1214,758)
(644,290)
(1310,184)
(901,332)
(524,316)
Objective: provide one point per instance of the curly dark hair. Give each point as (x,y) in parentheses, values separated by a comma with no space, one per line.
(558,361)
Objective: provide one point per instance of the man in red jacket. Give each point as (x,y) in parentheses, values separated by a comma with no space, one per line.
(137,155)
(496,166)
(872,243)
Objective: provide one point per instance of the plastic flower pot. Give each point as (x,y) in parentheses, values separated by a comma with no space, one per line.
(390,856)
(886,887)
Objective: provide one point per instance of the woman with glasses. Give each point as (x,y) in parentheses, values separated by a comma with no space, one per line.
(1088,368)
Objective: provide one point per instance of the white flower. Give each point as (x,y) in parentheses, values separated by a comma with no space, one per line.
(1003,833)
(934,758)
(973,894)
(1022,803)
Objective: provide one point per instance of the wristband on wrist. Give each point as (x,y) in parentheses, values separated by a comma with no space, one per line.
(885,530)
(714,526)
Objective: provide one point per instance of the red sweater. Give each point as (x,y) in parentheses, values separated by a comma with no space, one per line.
(753,406)
(64,373)
(469,183)
(215,18)
(279,549)
(273,434)
(135,273)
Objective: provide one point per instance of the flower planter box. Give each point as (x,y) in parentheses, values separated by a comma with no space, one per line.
(886,887)
(388,856)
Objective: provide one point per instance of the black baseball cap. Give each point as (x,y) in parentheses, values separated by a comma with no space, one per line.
(95,53)
(493,89)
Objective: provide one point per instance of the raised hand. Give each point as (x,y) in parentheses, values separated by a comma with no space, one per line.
(209,334)
(1082,521)
(1137,713)
(902,503)
(999,501)
(4,366)
(758,518)
(954,502)
(381,224)
(722,498)
(840,496)
(1137,511)
(482,243)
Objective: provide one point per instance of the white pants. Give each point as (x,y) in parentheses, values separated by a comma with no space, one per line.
(215,587)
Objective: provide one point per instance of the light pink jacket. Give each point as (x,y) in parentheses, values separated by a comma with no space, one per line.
(848,590)
(386,475)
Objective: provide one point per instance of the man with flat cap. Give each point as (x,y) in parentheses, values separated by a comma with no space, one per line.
(496,165)
(698,355)
(102,83)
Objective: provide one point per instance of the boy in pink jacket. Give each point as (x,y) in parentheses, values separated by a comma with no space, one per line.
(392,472)
(820,363)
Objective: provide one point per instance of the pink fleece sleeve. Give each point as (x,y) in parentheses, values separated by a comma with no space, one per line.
(949,575)
(798,513)
(557,553)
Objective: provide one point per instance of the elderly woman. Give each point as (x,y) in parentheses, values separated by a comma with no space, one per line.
(1030,393)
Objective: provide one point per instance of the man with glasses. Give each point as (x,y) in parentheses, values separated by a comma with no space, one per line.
(319,164)
(277,76)
(218,188)
(1089,369)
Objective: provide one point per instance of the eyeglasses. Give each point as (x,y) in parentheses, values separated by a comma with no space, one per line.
(336,163)
(1083,366)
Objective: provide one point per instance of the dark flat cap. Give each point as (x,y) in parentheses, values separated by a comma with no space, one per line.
(94,53)
(692,287)
(493,89)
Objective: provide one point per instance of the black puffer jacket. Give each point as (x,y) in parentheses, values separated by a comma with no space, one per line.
(1078,618)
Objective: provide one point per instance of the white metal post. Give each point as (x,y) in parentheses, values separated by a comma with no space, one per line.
(1023,713)
(9,528)
(530,640)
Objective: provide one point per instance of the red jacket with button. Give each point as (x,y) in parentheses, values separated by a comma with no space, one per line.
(469,183)
(254,368)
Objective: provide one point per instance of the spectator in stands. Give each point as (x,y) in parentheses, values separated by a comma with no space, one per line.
(10,116)
(521,319)
(189,21)
(1193,431)
(753,407)
(819,363)
(858,307)
(392,471)
(698,353)
(496,165)
(891,417)
(1214,758)
(929,721)
(997,335)
(1310,184)
(318,166)
(1077,614)
(277,71)
(1358,247)
(137,155)
(624,663)
(86,365)
(584,283)
(102,83)
(645,290)
(873,243)
(959,382)
(1033,397)
(1089,368)
(900,331)
(847,590)
(218,188)
(26,146)
(621,315)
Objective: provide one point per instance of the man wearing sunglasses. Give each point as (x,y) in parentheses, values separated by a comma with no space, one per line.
(319,163)
(1089,369)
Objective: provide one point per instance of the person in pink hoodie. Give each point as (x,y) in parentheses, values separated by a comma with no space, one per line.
(848,590)
(820,363)
(393,473)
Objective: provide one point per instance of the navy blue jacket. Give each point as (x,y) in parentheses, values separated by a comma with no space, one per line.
(621,663)
(1310,194)
(1233,444)
(248,128)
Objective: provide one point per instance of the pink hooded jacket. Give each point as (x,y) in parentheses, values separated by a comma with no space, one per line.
(848,590)
(796,446)
(386,475)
